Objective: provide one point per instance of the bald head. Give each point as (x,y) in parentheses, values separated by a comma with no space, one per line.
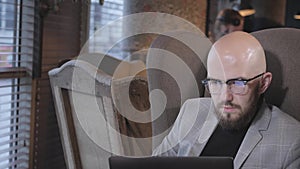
(237,54)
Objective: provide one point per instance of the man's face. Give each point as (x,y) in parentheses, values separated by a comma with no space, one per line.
(237,55)
(235,111)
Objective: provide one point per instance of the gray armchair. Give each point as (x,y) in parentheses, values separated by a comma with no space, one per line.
(282,48)
(91,111)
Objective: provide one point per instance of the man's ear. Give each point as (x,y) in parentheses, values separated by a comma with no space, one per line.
(266,82)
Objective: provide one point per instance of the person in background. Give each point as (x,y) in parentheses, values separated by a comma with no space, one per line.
(227,21)
(236,121)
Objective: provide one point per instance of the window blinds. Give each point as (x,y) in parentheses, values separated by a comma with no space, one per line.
(15,101)
(100,16)
(17,34)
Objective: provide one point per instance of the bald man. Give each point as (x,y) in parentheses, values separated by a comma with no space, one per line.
(236,121)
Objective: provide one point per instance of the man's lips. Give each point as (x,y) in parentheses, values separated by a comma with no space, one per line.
(228,108)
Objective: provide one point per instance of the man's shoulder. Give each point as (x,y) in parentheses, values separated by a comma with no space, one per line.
(284,125)
(201,101)
(192,116)
(283,118)
(197,105)
(196,108)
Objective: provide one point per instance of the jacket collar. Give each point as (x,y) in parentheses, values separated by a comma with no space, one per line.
(253,136)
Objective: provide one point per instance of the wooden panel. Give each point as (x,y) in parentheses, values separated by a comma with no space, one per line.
(61,40)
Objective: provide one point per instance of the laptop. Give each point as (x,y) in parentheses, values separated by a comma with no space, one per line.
(157,162)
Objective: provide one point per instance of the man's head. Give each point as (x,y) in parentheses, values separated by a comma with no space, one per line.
(237,78)
(227,21)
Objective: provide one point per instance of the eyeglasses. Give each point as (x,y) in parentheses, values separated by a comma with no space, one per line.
(236,86)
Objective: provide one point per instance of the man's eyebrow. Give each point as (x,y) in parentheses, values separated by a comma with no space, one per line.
(238,78)
(211,78)
(214,79)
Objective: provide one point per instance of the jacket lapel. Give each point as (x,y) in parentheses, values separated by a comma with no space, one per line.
(253,135)
(205,132)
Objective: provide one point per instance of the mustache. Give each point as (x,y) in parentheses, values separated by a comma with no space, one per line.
(225,103)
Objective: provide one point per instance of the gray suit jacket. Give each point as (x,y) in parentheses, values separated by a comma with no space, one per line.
(271,142)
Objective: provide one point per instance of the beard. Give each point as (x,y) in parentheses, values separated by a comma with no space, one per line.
(226,121)
(243,119)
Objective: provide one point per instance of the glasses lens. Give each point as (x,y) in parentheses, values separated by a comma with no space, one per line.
(237,86)
(214,86)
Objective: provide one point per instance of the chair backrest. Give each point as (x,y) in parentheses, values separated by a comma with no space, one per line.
(92,126)
(113,66)
(282,48)
(175,67)
(74,96)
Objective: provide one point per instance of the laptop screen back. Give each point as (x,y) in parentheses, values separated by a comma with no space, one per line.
(202,162)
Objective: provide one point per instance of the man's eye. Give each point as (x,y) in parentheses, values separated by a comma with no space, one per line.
(238,83)
(215,82)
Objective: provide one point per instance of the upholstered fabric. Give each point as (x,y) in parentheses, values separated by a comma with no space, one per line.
(282,48)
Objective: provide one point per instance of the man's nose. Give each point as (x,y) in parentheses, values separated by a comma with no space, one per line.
(226,93)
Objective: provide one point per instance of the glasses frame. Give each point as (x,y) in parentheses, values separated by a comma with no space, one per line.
(244,81)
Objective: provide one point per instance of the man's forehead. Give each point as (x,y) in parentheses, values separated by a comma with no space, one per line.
(238,54)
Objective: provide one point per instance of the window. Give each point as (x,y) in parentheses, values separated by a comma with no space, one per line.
(7,25)
(101,15)
(17,24)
